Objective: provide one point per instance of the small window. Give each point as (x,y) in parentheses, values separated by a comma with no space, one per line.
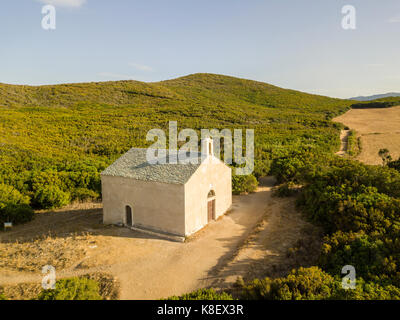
(211,194)
(210,148)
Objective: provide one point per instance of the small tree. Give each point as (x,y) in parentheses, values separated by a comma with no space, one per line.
(50,197)
(241,184)
(14,206)
(385,156)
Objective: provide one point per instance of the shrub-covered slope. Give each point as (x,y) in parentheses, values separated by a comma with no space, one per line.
(54,140)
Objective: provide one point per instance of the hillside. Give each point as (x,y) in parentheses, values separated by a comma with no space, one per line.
(56,139)
(196,87)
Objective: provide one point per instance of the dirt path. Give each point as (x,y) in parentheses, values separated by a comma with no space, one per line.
(344,140)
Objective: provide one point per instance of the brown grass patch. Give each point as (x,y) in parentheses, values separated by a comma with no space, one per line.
(31,256)
(377,129)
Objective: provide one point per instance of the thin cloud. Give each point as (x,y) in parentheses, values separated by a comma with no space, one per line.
(395,19)
(64,3)
(393,77)
(141,67)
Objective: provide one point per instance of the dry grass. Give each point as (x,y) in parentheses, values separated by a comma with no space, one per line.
(31,256)
(61,238)
(109,286)
(21,291)
(378,129)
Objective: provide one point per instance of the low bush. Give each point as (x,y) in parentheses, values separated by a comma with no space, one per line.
(14,207)
(314,284)
(302,284)
(50,197)
(262,167)
(395,164)
(353,144)
(366,291)
(73,289)
(287,189)
(83,194)
(203,294)
(374,259)
(242,184)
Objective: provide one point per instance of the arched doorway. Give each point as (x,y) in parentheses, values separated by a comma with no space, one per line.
(211,206)
(128,218)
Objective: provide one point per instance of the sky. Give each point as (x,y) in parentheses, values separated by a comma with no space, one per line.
(295,44)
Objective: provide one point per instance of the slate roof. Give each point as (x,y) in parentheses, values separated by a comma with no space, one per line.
(134,164)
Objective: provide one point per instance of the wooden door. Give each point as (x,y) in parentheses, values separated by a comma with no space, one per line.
(211,210)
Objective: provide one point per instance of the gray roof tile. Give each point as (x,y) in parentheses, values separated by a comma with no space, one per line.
(134,164)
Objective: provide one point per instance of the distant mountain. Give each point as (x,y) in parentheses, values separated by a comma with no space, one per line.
(204,90)
(377,96)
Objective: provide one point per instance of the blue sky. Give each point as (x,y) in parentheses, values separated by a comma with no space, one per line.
(297,44)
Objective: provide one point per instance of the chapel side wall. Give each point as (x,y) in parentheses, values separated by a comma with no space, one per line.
(155,206)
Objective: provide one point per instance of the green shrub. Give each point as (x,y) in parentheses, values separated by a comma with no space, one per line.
(3,297)
(262,167)
(354,147)
(203,294)
(314,284)
(72,289)
(14,207)
(358,207)
(395,165)
(50,197)
(83,194)
(241,184)
(302,284)
(366,254)
(287,189)
(366,291)
(300,166)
